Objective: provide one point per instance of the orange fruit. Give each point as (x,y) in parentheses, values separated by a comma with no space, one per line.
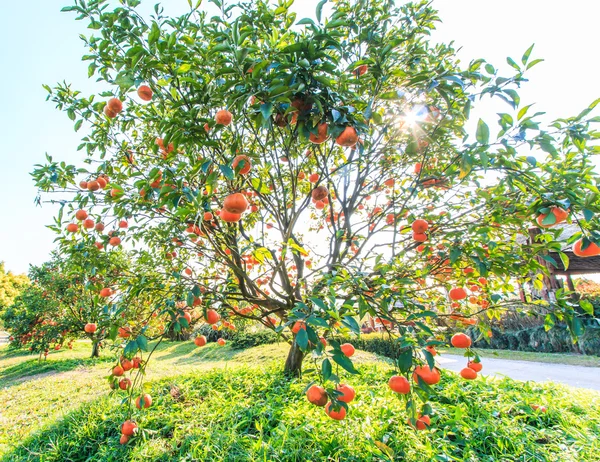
(129,428)
(200,341)
(347,138)
(419,226)
(419,237)
(144,92)
(221,342)
(428,375)
(347,349)
(560,215)
(460,341)
(126,364)
(235,203)
(422,422)
(114,241)
(347,391)
(124,384)
(212,317)
(223,117)
(399,384)
(321,137)
(72,227)
(590,251)
(319,193)
(143,401)
(468,373)
(298,326)
(246,165)
(118,371)
(458,293)
(90,328)
(88,224)
(106,292)
(115,105)
(317,395)
(475,366)
(81,215)
(313,178)
(229,217)
(124,439)
(340,414)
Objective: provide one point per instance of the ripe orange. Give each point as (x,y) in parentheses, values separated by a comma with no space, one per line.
(431,350)
(428,375)
(200,341)
(88,224)
(124,383)
(102,182)
(317,395)
(90,328)
(319,193)
(99,227)
(144,92)
(246,165)
(93,185)
(419,237)
(399,384)
(212,317)
(110,114)
(590,251)
(114,241)
(123,224)
(560,215)
(340,414)
(422,422)
(81,215)
(118,371)
(126,364)
(347,138)
(229,217)
(321,137)
(475,366)
(124,439)
(313,178)
(468,373)
(458,293)
(461,341)
(361,70)
(235,203)
(223,117)
(221,342)
(419,226)
(129,428)
(298,326)
(106,292)
(347,349)
(115,105)
(144,401)
(347,391)
(208,216)
(72,227)
(418,167)
(83,184)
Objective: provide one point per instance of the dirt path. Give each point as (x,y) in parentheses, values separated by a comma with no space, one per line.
(576,376)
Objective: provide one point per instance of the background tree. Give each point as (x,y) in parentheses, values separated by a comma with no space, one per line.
(10,286)
(308,173)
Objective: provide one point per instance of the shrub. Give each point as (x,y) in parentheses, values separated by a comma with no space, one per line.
(241,340)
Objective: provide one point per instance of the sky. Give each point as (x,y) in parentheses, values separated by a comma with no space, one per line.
(48,50)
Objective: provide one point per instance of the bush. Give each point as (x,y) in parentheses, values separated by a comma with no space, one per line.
(237,339)
(375,343)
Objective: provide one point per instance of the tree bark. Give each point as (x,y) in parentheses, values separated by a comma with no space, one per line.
(95,349)
(293,363)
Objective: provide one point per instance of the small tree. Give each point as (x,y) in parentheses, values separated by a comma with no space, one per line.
(10,286)
(308,173)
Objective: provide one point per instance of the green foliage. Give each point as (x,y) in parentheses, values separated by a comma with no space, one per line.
(243,340)
(247,414)
(10,286)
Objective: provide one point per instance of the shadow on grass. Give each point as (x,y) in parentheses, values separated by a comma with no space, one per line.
(235,408)
(28,370)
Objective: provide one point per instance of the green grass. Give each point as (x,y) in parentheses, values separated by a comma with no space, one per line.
(215,403)
(553,358)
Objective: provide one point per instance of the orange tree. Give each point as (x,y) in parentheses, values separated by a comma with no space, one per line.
(308,173)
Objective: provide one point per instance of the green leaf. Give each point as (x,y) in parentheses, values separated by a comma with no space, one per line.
(142,342)
(266,110)
(302,339)
(512,63)
(564,259)
(352,324)
(345,362)
(483,132)
(326,369)
(184,68)
(588,214)
(405,361)
(526,55)
(549,219)
(227,172)
(587,307)
(78,124)
(320,9)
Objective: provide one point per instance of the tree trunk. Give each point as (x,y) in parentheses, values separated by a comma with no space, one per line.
(293,363)
(95,348)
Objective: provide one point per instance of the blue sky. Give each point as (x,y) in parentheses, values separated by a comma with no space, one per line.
(39,44)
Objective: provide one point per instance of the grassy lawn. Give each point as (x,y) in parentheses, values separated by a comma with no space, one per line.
(216,403)
(554,358)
